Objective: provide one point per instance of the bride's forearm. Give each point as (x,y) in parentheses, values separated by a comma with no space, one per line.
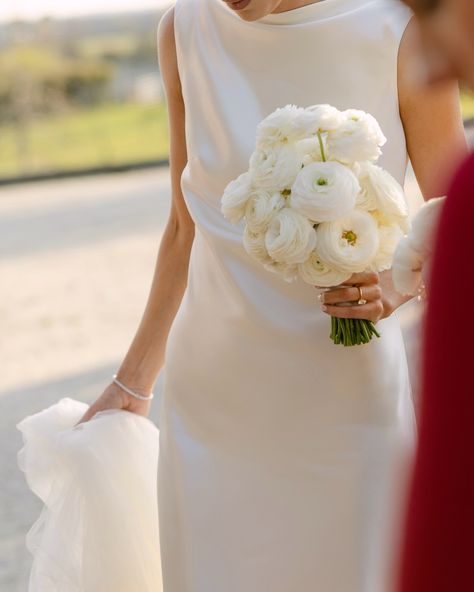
(145,356)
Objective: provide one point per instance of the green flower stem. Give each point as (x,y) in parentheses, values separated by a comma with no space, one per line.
(367,332)
(353,327)
(349,326)
(349,332)
(374,330)
(321,146)
(344,333)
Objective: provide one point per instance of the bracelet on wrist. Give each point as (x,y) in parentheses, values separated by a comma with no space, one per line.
(132,393)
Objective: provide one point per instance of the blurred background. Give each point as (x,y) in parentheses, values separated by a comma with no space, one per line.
(80,86)
(80,93)
(79,89)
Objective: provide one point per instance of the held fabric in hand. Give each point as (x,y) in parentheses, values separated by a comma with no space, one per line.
(98,530)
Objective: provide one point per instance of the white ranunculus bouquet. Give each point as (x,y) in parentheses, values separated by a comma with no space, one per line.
(315,204)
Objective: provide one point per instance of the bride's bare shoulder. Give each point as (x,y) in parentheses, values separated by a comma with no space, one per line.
(167,55)
(166,29)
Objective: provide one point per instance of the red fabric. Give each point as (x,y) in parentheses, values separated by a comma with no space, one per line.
(438,554)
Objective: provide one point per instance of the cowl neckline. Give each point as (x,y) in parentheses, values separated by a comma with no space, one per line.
(302,15)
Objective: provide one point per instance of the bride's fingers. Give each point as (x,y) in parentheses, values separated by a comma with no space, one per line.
(93,410)
(372,311)
(351,294)
(365,278)
(108,400)
(88,415)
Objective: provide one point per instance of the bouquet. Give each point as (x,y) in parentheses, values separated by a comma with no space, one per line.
(315,204)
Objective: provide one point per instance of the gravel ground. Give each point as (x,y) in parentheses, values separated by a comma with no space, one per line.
(76,261)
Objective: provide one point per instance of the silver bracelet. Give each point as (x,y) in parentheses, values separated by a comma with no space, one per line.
(130,392)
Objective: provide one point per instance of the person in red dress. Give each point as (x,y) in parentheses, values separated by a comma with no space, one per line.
(438,549)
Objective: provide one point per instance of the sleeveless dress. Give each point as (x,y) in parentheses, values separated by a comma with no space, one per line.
(281,454)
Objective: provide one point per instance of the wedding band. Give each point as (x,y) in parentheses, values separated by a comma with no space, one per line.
(361,300)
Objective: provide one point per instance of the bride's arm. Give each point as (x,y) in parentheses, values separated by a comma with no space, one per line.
(436,143)
(431,116)
(145,356)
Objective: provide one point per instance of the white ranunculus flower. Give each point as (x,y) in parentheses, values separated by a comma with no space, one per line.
(380,191)
(310,150)
(425,226)
(412,259)
(275,169)
(367,199)
(358,138)
(290,237)
(349,244)
(319,118)
(261,207)
(235,198)
(382,219)
(324,191)
(313,271)
(407,268)
(288,272)
(280,128)
(389,237)
(254,244)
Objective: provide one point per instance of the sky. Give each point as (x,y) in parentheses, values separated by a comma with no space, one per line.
(32,9)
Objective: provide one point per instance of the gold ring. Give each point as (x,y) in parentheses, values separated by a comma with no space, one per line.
(361,300)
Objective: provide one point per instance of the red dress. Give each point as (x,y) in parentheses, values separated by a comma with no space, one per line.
(438,553)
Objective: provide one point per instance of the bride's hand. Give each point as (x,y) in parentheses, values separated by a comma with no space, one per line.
(114,397)
(376,289)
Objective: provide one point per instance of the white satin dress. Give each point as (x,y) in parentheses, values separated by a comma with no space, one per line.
(281,454)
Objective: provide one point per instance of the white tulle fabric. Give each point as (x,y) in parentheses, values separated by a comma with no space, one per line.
(98,530)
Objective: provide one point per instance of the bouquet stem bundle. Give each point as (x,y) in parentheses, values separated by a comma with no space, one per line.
(350,332)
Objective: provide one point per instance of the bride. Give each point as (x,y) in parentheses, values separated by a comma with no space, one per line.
(282,456)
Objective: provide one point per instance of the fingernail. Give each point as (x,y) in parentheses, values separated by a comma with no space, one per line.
(324,308)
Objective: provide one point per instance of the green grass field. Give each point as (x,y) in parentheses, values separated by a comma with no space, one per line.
(468,106)
(103,136)
(107,135)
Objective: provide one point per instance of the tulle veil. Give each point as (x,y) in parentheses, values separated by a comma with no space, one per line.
(98,530)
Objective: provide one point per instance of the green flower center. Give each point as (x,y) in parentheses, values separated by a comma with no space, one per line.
(321,182)
(350,236)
